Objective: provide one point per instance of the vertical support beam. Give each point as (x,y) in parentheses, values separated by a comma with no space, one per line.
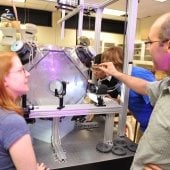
(128,57)
(56,141)
(62,25)
(108,131)
(98,22)
(80,22)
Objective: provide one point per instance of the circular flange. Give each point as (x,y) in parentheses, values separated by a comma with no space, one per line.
(120,142)
(120,151)
(103,147)
(132,147)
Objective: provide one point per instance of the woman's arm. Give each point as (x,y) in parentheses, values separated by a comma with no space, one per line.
(23,155)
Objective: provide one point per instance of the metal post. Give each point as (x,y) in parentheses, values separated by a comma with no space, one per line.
(62,25)
(128,57)
(56,141)
(80,21)
(98,22)
(108,131)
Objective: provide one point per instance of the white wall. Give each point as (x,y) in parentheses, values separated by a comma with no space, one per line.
(47,35)
(145,26)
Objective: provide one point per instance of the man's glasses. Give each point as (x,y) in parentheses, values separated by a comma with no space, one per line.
(148,43)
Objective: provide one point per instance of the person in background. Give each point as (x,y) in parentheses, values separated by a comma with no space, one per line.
(84,51)
(139,104)
(102,78)
(153,152)
(16,150)
(84,41)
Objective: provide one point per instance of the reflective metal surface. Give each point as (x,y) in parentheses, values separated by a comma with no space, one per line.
(53,64)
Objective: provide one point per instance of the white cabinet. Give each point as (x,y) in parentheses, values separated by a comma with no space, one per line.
(142,57)
(103,45)
(8,35)
(139,51)
(107,45)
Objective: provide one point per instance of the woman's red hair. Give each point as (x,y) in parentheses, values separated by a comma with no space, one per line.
(6,100)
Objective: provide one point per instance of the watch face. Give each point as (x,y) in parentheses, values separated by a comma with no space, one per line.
(56,85)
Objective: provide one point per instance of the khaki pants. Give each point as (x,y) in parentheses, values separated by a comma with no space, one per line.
(138,134)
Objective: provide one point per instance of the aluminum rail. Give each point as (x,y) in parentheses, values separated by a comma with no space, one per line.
(70,14)
(73,110)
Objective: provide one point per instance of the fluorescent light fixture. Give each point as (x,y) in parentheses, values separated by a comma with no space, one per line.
(161,0)
(19,1)
(113,12)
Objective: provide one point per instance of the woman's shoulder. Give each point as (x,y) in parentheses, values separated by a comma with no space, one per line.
(10,116)
(12,128)
(11,122)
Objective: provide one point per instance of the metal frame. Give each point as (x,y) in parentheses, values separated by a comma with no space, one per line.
(80,10)
(84,109)
(72,110)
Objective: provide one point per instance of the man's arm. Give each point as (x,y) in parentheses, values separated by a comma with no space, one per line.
(136,84)
(152,167)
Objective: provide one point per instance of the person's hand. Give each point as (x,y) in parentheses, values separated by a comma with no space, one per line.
(97,72)
(152,167)
(108,68)
(42,166)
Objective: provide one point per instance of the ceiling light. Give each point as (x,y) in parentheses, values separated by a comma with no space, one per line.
(19,1)
(161,0)
(113,12)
